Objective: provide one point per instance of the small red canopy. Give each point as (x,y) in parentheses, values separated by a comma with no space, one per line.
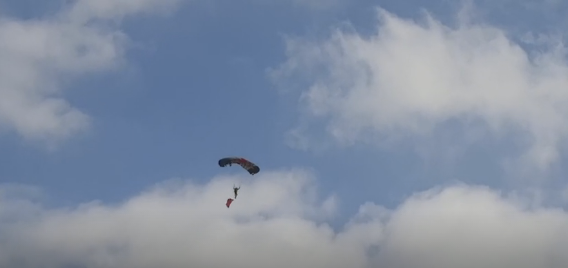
(229,201)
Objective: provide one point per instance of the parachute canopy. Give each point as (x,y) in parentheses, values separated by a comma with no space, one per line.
(229,201)
(249,166)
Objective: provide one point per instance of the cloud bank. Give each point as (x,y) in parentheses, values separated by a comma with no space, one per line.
(410,80)
(40,56)
(279,220)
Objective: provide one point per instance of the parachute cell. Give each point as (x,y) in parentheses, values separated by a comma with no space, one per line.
(249,166)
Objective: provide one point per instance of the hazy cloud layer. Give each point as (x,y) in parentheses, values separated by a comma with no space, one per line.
(39,56)
(277,221)
(411,79)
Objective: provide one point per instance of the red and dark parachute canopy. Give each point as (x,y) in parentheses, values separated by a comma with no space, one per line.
(229,201)
(248,165)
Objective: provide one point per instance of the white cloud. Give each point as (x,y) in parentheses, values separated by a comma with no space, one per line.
(276,222)
(39,56)
(410,78)
(472,227)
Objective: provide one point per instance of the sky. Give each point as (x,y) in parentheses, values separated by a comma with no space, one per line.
(389,134)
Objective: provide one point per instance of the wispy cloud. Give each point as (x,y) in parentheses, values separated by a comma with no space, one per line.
(409,80)
(39,57)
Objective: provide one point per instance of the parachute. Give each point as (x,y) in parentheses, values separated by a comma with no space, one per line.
(249,166)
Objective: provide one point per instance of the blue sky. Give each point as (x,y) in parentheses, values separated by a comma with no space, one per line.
(189,96)
(155,96)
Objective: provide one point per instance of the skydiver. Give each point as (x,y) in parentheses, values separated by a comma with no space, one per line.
(235,189)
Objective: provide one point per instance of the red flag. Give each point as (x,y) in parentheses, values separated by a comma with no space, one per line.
(229,201)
